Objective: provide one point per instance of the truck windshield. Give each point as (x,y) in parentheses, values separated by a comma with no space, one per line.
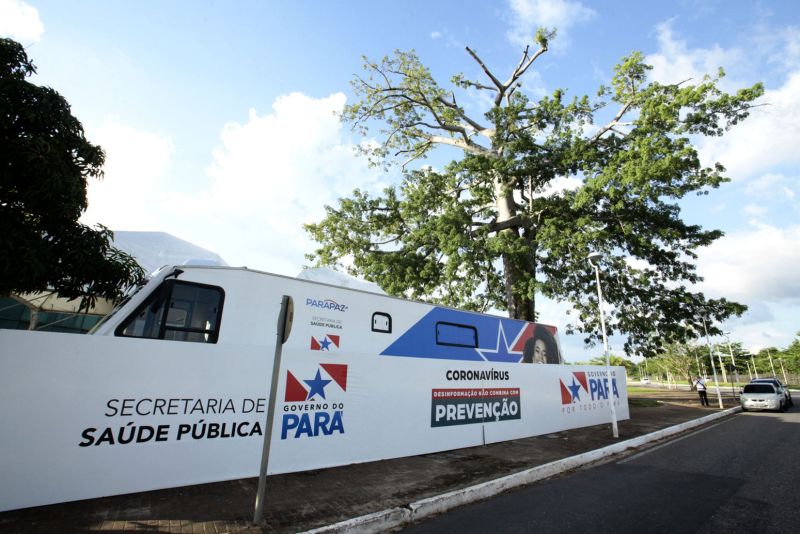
(128,296)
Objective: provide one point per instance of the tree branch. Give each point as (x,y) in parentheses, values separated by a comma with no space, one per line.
(491,76)
(452,105)
(513,222)
(469,146)
(611,124)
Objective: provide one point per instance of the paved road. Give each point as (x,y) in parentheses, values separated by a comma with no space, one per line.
(739,475)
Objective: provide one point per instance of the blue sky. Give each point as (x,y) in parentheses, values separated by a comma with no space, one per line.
(218,117)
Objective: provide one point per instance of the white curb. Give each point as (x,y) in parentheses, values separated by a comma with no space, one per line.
(395,517)
(368,524)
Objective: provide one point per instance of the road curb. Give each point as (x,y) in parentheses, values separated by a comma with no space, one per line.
(368,524)
(396,517)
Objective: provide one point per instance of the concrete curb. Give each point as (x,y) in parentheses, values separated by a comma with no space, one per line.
(396,517)
(370,523)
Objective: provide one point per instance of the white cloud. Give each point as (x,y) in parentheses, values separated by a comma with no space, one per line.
(775,326)
(20,21)
(781,46)
(276,172)
(136,169)
(755,265)
(676,62)
(769,137)
(562,15)
(269,175)
(765,184)
(755,209)
(791,50)
(775,188)
(766,140)
(436,35)
(560,184)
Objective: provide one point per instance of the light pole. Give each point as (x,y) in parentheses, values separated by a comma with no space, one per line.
(699,369)
(783,370)
(774,374)
(733,360)
(711,359)
(753,361)
(722,367)
(610,389)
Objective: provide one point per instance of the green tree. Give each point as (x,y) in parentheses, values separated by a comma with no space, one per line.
(45,161)
(791,357)
(614,360)
(679,359)
(490,230)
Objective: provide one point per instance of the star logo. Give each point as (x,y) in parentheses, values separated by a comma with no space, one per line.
(328,342)
(297,392)
(571,393)
(501,352)
(574,389)
(317,386)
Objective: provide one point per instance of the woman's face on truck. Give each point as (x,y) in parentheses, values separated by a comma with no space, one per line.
(539,352)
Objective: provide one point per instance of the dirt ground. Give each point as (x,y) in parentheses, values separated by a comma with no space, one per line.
(301,501)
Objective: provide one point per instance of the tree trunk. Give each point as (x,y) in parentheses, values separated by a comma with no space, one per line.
(519,307)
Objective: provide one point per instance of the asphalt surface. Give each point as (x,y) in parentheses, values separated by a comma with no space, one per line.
(737,475)
(307,500)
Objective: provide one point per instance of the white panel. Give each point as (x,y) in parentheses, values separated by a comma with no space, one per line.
(344,403)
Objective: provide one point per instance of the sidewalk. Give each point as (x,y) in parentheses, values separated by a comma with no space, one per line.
(303,501)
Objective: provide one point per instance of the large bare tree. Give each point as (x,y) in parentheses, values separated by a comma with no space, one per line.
(494,229)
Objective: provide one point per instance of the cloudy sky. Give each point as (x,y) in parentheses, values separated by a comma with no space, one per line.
(218,118)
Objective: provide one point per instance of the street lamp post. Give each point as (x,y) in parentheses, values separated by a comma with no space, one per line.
(783,370)
(733,360)
(774,374)
(722,367)
(609,391)
(696,359)
(711,359)
(753,361)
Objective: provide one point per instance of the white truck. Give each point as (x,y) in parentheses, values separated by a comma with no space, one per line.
(171,389)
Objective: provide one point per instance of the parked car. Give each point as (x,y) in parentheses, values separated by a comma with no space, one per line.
(762,396)
(779,386)
(644,380)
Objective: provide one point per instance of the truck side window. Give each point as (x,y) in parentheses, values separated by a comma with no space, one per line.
(456,335)
(178,311)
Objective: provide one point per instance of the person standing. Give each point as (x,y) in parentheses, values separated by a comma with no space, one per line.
(700,384)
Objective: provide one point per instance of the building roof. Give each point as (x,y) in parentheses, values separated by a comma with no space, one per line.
(156,249)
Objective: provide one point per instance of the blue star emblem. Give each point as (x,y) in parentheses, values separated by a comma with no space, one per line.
(502,352)
(317,386)
(574,389)
(324,344)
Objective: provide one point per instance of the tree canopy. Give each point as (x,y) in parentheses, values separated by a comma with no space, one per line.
(45,162)
(497,227)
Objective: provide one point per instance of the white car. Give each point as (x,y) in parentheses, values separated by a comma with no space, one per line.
(787,395)
(762,396)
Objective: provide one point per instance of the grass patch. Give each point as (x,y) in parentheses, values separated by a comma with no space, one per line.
(644,403)
(643,389)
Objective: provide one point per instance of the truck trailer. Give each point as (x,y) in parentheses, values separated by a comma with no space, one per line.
(172,387)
